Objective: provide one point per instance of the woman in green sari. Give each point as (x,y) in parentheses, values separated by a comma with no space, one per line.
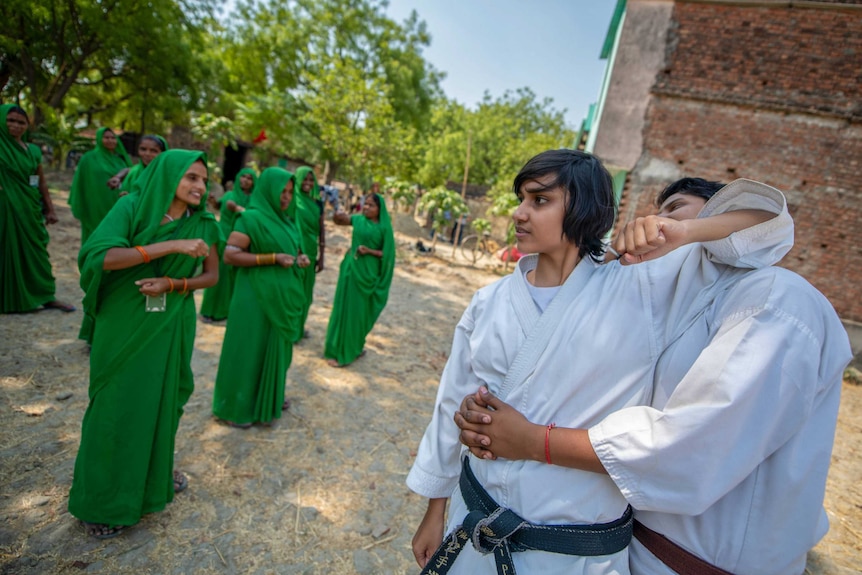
(310,216)
(216,302)
(26,282)
(90,197)
(138,270)
(363,281)
(149,147)
(266,309)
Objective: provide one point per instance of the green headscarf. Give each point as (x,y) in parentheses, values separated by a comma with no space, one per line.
(135,171)
(239,197)
(308,212)
(273,230)
(136,221)
(90,197)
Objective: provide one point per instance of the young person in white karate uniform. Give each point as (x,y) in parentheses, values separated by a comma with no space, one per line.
(726,469)
(569,341)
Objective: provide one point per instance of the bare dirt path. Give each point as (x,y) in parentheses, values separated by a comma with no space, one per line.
(323,490)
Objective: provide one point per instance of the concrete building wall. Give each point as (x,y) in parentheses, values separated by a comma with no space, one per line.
(639,58)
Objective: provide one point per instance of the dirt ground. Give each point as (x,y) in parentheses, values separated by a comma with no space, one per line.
(322,491)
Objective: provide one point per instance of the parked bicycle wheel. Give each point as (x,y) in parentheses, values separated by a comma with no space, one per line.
(471,248)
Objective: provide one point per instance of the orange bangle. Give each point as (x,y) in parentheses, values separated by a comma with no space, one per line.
(185,286)
(272,261)
(171,282)
(144,253)
(257,258)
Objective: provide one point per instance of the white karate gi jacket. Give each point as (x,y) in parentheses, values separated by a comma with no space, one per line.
(730,461)
(591,353)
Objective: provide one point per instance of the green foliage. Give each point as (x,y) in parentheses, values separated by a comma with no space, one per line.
(481,226)
(438,201)
(119,60)
(218,132)
(403,193)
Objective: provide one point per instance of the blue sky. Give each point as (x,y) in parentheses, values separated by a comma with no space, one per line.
(550,46)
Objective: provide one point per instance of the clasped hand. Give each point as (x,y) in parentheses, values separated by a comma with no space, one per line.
(491,428)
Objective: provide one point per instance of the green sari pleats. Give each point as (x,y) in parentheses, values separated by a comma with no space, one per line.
(265,312)
(90,197)
(216,301)
(308,210)
(363,287)
(140,362)
(26,281)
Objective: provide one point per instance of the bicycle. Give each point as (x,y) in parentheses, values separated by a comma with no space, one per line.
(473,247)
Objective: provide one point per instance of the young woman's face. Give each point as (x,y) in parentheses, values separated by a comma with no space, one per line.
(287,195)
(246,182)
(539,216)
(147,150)
(307,183)
(681,207)
(109,140)
(370,209)
(193,185)
(16,124)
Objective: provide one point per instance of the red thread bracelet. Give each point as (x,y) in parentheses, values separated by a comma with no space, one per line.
(548,442)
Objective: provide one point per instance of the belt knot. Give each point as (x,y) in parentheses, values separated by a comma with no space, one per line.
(490,531)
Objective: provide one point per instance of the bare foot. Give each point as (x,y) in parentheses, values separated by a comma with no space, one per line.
(333,363)
(181,482)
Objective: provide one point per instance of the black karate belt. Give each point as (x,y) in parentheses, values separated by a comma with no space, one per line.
(494,529)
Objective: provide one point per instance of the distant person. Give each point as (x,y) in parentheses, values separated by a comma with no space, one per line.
(91,197)
(310,217)
(216,301)
(364,279)
(26,281)
(139,270)
(266,249)
(149,147)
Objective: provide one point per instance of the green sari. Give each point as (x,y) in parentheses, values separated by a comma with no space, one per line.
(265,311)
(90,197)
(140,362)
(216,302)
(309,208)
(136,170)
(363,287)
(26,282)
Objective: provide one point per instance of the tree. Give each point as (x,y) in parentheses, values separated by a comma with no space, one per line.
(445,206)
(105,53)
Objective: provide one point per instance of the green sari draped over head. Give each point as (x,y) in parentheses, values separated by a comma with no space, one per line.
(90,197)
(136,170)
(265,311)
(216,302)
(26,282)
(363,287)
(309,207)
(140,372)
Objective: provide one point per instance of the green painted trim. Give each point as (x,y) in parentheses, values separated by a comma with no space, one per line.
(613,29)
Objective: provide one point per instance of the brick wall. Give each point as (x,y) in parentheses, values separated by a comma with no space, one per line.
(772,100)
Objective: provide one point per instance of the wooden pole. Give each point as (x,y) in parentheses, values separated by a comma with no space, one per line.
(463,194)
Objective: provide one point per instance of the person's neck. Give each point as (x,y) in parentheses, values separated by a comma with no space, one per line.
(177,209)
(553,269)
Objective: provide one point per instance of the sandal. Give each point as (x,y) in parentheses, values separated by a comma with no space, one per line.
(238,425)
(181,482)
(102,530)
(64,307)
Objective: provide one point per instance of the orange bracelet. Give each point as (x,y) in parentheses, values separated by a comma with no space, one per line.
(171,282)
(144,253)
(272,255)
(185,286)
(257,258)
(548,442)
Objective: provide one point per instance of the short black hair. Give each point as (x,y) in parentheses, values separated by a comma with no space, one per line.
(689,187)
(590,207)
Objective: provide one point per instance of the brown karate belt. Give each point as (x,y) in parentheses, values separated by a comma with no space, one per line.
(681,561)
